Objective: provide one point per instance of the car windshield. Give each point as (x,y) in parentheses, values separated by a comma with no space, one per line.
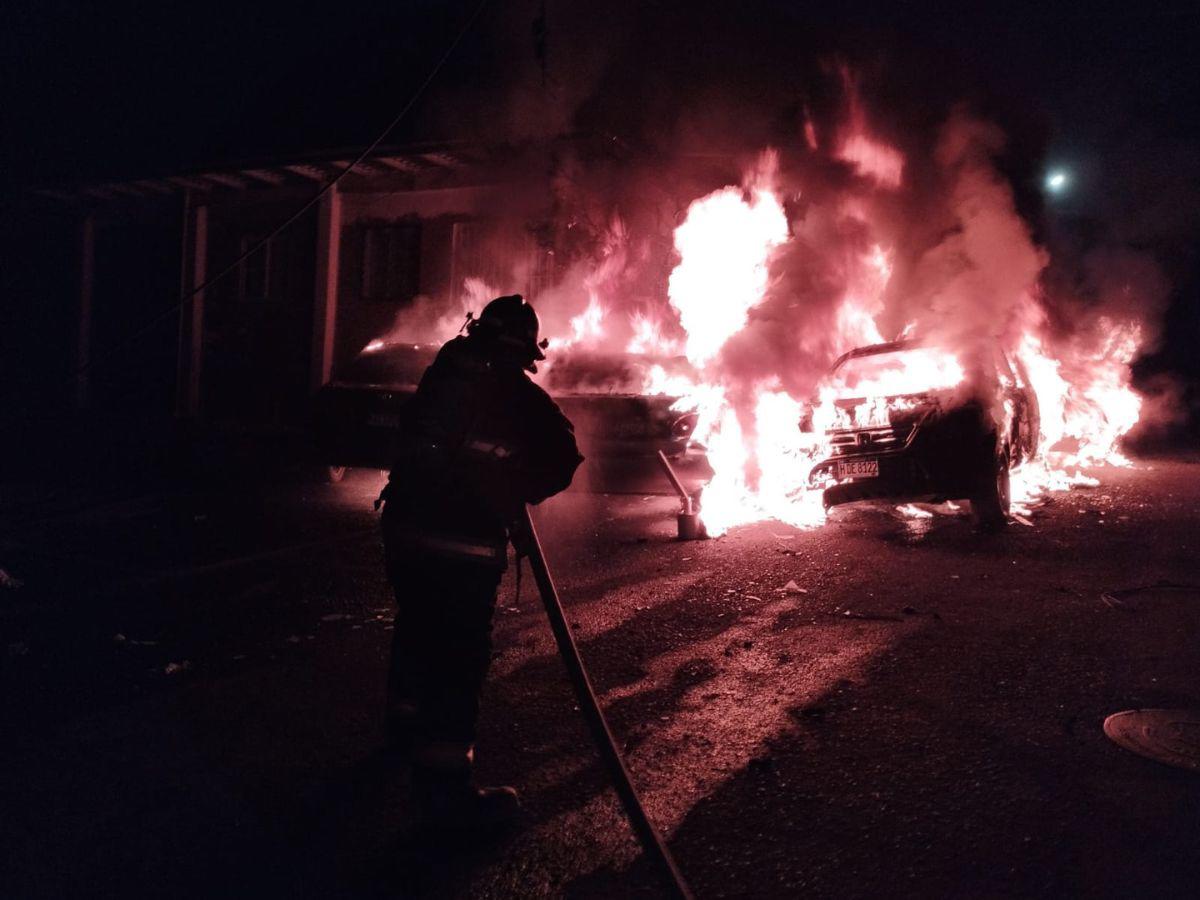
(900,370)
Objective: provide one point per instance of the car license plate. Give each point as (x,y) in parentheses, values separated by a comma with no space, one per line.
(857,468)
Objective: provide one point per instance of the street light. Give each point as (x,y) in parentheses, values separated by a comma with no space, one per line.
(1057,181)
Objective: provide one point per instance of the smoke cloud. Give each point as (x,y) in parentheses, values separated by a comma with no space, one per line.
(906,195)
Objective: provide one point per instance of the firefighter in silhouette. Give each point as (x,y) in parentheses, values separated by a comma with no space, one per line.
(479,440)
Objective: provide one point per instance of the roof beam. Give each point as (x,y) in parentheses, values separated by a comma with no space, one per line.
(55,194)
(398,163)
(187,181)
(226,180)
(125,188)
(154,186)
(264,175)
(445,160)
(312,173)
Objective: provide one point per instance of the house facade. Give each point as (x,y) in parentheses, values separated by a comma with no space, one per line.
(406,226)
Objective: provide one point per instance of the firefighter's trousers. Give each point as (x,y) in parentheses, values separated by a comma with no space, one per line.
(441,647)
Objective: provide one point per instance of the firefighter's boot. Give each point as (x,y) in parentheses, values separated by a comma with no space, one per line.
(448,799)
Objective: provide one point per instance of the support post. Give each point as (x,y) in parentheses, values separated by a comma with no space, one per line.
(87,278)
(325,305)
(194,271)
(183,342)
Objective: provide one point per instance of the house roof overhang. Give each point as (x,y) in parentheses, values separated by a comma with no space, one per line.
(387,166)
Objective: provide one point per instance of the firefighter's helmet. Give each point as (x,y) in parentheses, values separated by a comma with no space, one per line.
(511,322)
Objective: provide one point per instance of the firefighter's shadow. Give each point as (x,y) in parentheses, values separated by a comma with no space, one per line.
(545,701)
(437,864)
(811,772)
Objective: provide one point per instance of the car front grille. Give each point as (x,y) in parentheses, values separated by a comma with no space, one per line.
(852,441)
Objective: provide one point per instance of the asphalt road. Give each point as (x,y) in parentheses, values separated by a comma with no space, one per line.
(192,685)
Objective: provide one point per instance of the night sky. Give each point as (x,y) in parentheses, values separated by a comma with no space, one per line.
(112,90)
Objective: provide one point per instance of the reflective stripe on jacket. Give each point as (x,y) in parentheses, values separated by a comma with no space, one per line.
(474,550)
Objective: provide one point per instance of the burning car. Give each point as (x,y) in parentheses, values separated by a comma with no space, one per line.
(908,421)
(620,429)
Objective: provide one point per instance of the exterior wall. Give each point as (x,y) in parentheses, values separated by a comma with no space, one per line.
(261,358)
(257,344)
(243,357)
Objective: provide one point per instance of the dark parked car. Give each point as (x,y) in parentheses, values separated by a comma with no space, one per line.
(945,442)
(358,415)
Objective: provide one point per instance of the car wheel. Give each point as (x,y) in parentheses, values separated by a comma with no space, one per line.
(334,474)
(990,502)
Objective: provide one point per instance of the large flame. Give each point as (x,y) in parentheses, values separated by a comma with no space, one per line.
(762,460)
(724,245)
(760,298)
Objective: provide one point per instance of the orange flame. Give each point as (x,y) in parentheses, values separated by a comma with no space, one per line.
(724,245)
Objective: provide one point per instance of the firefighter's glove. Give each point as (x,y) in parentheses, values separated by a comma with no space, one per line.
(521,537)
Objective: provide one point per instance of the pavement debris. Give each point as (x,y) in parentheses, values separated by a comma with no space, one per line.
(18,648)
(120,638)
(792,588)
(867,617)
(336,617)
(176,668)
(7,581)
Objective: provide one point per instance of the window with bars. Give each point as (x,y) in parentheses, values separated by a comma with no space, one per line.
(391,261)
(543,271)
(497,255)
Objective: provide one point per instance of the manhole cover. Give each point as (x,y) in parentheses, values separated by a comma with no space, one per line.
(1170,736)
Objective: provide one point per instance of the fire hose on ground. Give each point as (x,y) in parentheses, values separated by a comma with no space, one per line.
(647,834)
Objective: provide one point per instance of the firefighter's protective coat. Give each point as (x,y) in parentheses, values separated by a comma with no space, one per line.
(479,440)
